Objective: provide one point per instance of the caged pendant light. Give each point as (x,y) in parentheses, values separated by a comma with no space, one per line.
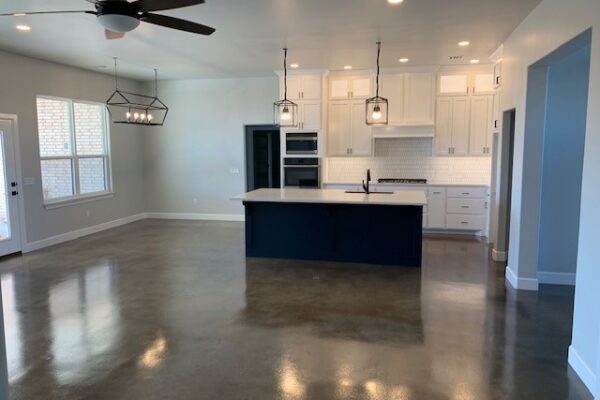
(377,107)
(137,109)
(285,112)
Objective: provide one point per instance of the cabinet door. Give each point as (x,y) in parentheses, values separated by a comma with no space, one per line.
(361,87)
(362,136)
(436,208)
(392,88)
(443,126)
(460,126)
(483,83)
(339,88)
(418,98)
(480,126)
(311,88)
(452,84)
(311,115)
(294,87)
(338,135)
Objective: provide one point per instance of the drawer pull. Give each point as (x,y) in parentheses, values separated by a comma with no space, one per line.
(464,206)
(466,193)
(464,223)
(437,192)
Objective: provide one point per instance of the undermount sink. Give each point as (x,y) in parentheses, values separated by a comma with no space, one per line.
(362,192)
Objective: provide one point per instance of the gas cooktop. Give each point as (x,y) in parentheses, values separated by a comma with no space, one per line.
(401,180)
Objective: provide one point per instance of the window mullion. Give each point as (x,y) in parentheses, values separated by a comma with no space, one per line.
(75,161)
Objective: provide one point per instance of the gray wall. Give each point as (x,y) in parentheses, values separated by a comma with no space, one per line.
(551,24)
(191,157)
(564,142)
(22,79)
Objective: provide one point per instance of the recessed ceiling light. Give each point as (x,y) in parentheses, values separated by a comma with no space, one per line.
(395,1)
(347,66)
(464,43)
(474,61)
(19,14)
(24,28)
(403,60)
(294,65)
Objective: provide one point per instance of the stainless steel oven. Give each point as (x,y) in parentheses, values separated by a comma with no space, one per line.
(302,172)
(301,143)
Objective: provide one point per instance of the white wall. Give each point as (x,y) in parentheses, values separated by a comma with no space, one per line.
(21,79)
(191,156)
(551,24)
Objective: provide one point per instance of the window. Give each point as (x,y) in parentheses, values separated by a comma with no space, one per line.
(74,145)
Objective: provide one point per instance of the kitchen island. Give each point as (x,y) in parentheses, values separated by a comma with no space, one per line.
(332,225)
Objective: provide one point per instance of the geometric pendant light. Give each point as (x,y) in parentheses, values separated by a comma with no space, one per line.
(136,109)
(285,112)
(377,107)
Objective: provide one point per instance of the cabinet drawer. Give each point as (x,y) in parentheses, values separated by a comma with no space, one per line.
(465,222)
(465,206)
(468,192)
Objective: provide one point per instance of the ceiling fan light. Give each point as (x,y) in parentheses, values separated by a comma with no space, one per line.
(118,23)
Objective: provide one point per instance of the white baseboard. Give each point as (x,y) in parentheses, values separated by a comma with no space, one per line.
(556,278)
(521,283)
(197,217)
(499,256)
(582,369)
(68,236)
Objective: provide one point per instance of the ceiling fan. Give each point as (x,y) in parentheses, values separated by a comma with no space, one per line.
(120,16)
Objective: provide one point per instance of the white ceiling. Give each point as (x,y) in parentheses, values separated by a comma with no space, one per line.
(251,33)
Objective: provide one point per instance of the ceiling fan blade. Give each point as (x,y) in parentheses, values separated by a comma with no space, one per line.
(110,35)
(176,23)
(160,5)
(22,14)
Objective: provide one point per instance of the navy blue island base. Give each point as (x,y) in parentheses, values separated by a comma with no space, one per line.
(358,233)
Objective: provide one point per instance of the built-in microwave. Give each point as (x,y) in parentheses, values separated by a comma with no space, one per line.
(302,172)
(301,143)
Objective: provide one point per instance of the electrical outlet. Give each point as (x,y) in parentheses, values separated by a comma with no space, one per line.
(87,213)
(234,170)
(28,181)
(195,201)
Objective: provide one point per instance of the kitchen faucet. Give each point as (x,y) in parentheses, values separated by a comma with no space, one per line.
(366,185)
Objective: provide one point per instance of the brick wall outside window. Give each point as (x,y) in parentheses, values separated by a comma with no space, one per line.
(72,137)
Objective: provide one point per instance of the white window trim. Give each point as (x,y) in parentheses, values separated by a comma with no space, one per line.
(79,198)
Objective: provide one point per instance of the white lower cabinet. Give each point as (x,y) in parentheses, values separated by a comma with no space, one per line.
(452,208)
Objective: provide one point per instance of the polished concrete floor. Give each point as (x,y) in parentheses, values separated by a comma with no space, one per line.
(173,310)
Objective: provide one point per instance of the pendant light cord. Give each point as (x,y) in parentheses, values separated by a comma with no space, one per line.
(116,76)
(155,83)
(285,73)
(377,79)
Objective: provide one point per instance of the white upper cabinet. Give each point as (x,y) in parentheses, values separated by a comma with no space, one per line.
(348,133)
(302,87)
(480,128)
(392,88)
(453,84)
(452,126)
(411,98)
(483,83)
(418,99)
(350,87)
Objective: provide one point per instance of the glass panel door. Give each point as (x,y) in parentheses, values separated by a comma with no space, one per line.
(10,233)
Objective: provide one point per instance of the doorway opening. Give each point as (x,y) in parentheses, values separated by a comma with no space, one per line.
(263,157)
(553,150)
(10,213)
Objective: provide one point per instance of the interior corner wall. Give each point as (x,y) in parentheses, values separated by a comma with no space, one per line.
(564,141)
(21,80)
(549,25)
(195,163)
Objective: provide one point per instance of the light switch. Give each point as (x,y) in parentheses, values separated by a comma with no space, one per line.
(234,170)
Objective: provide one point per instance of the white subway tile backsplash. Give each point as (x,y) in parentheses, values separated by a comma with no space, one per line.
(410,158)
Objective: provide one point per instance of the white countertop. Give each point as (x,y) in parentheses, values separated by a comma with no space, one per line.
(416,185)
(333,196)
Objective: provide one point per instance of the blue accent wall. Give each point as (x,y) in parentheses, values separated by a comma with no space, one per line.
(564,142)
